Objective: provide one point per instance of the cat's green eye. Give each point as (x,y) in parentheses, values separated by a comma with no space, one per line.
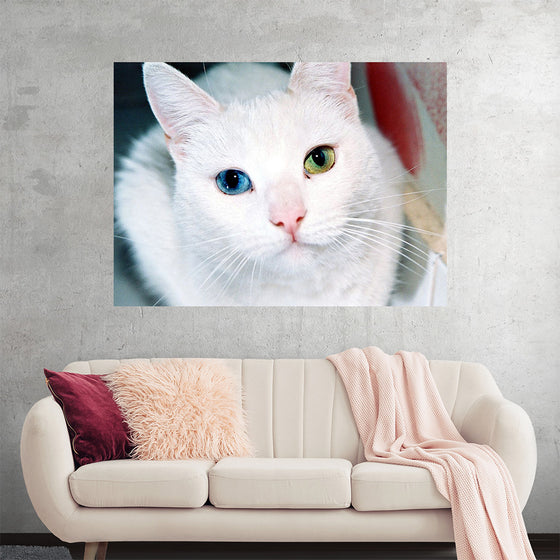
(319,160)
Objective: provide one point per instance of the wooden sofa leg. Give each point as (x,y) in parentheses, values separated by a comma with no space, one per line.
(95,551)
(102,550)
(90,551)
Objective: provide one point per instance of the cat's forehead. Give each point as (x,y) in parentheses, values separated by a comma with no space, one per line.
(281,123)
(278,111)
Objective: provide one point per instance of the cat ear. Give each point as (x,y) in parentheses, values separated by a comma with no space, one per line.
(331,79)
(176,101)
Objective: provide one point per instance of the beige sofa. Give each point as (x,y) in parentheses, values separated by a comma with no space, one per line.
(308,482)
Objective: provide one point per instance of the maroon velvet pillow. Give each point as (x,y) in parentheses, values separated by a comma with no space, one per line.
(96,427)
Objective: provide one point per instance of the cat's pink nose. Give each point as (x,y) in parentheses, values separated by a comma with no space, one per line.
(289,219)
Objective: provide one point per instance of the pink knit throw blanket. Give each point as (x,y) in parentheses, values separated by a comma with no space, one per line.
(401,420)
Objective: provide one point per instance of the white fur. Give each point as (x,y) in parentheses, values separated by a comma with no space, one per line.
(183,229)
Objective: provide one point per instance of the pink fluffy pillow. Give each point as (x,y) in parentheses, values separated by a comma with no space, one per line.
(181,409)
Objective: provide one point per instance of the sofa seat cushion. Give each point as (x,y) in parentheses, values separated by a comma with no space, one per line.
(136,483)
(382,486)
(280,483)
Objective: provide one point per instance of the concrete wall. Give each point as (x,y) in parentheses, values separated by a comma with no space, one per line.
(56,212)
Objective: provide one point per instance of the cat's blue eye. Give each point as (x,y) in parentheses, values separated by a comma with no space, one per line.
(233,181)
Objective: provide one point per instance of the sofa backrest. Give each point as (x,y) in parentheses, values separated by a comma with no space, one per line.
(299,407)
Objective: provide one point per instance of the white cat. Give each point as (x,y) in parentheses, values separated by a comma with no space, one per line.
(275,192)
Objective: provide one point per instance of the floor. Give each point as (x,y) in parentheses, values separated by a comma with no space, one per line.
(545,546)
(544,550)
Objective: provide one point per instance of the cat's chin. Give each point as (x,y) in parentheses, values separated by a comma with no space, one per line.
(294,250)
(295,256)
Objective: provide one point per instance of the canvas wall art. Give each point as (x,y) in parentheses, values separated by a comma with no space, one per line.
(278,184)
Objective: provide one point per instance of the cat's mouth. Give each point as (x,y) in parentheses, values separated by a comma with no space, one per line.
(299,246)
(297,249)
(289,251)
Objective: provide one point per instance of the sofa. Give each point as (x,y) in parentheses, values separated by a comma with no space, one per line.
(308,480)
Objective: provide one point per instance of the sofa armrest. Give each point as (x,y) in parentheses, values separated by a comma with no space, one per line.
(506,427)
(47,461)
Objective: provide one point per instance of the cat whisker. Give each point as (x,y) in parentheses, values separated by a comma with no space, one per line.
(397,260)
(122,237)
(402,254)
(420,193)
(337,243)
(414,249)
(388,244)
(399,238)
(358,88)
(210,258)
(206,241)
(407,201)
(407,198)
(156,303)
(394,178)
(231,266)
(388,238)
(235,253)
(240,264)
(378,248)
(260,269)
(396,225)
(208,84)
(252,279)
(233,276)
(396,195)
(407,171)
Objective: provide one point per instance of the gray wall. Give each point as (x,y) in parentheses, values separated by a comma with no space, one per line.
(56,212)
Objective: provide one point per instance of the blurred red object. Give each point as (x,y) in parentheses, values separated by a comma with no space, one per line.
(397,90)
